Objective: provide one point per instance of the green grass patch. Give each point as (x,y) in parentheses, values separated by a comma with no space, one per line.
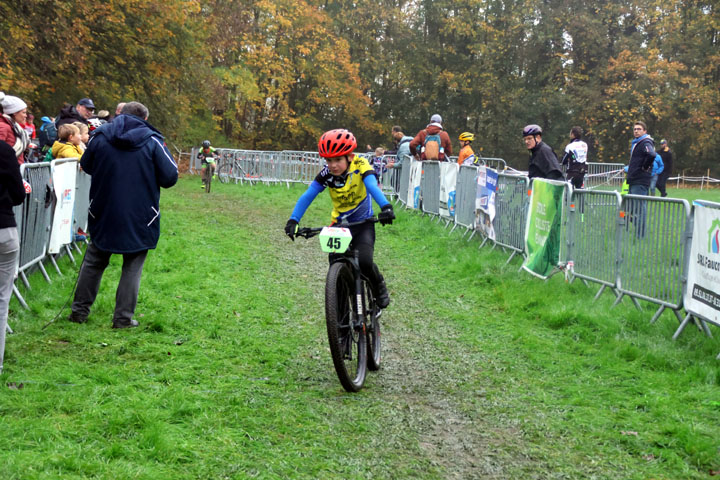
(487,373)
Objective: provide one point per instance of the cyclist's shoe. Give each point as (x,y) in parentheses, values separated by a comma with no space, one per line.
(383,296)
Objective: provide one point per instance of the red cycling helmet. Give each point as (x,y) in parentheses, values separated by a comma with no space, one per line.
(336,143)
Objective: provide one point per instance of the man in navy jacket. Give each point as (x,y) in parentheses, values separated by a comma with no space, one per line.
(129,162)
(642,157)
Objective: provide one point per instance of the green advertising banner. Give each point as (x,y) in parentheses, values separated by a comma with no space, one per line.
(542,231)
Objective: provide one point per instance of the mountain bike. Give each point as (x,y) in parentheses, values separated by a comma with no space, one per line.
(351,313)
(207,177)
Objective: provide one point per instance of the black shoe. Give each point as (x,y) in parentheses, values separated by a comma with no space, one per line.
(77,318)
(132,324)
(383,297)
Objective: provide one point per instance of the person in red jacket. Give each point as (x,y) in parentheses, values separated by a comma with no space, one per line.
(12,125)
(424,147)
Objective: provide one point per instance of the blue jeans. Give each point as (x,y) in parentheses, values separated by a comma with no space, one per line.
(653,182)
(638,210)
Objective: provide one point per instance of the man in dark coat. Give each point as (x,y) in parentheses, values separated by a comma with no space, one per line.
(84,109)
(667,158)
(543,161)
(129,162)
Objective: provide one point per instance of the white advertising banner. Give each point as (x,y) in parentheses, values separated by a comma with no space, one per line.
(448,180)
(487,180)
(413,200)
(702,295)
(63,178)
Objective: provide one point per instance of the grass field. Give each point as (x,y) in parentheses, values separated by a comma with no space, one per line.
(487,373)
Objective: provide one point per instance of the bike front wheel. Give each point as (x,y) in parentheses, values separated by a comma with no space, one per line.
(208,178)
(348,344)
(372,329)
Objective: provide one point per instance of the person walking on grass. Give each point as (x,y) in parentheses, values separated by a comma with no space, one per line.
(129,162)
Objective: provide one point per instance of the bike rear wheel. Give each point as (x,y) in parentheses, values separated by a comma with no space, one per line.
(372,329)
(348,345)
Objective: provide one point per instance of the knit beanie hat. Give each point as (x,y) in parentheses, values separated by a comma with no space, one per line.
(436,119)
(12,104)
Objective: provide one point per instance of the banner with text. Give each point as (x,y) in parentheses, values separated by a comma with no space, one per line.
(414,188)
(63,178)
(487,180)
(543,227)
(448,180)
(702,295)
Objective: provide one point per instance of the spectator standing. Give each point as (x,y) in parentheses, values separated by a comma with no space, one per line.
(657,169)
(84,134)
(667,158)
(642,157)
(81,112)
(68,144)
(379,163)
(403,146)
(433,142)
(12,193)
(543,161)
(576,158)
(12,125)
(466,155)
(30,126)
(103,116)
(47,135)
(129,162)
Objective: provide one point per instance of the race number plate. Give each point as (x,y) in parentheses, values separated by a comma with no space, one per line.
(335,240)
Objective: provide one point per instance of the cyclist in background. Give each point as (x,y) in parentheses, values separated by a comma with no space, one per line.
(352,181)
(576,158)
(466,155)
(207,155)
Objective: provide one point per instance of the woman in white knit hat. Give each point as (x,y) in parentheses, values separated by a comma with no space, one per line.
(12,125)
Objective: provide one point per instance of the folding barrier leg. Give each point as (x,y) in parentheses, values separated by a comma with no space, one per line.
(8,329)
(24,279)
(44,272)
(618,299)
(682,326)
(453,229)
(472,234)
(69,252)
(511,257)
(484,241)
(20,297)
(597,295)
(52,259)
(637,304)
(657,314)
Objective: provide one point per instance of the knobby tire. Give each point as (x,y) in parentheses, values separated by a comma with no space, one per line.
(208,178)
(348,347)
(372,329)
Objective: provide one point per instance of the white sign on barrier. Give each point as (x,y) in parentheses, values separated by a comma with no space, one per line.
(63,178)
(702,295)
(448,180)
(414,187)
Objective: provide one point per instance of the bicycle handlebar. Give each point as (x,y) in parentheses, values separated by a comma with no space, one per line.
(309,232)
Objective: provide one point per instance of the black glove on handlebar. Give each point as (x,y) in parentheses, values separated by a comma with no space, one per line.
(387,215)
(291,228)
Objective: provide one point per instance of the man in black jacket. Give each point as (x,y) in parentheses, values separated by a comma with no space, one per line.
(129,162)
(642,156)
(667,158)
(543,161)
(84,109)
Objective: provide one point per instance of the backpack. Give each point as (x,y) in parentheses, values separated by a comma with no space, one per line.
(48,135)
(432,148)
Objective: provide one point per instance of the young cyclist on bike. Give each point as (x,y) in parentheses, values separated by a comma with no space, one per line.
(207,155)
(352,181)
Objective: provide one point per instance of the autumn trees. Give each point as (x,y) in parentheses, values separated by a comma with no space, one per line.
(273,74)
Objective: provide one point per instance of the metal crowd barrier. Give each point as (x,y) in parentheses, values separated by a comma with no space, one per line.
(653,236)
(465,195)
(82,201)
(592,220)
(34,225)
(608,175)
(494,163)
(430,188)
(511,207)
(404,183)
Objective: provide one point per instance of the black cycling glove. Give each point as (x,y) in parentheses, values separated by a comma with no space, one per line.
(386,215)
(291,228)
